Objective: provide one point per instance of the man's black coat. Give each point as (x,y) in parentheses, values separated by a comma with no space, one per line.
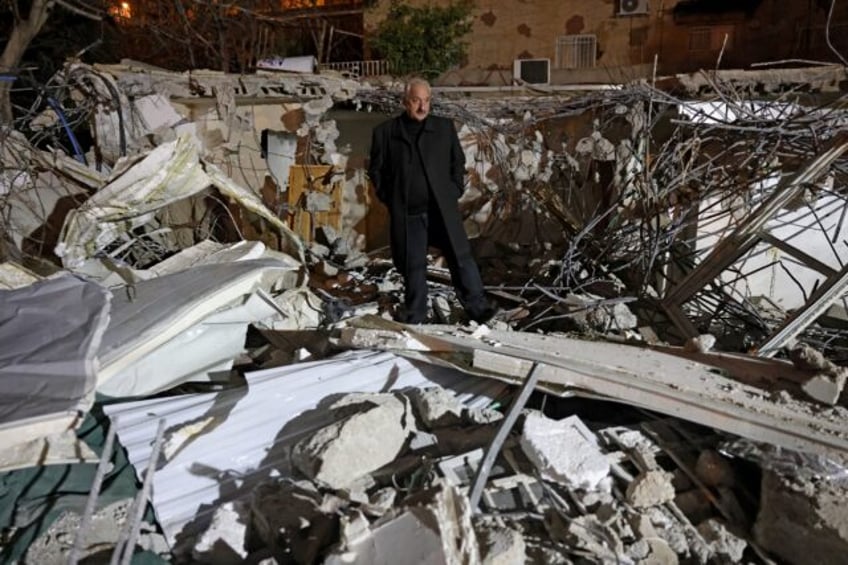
(392,152)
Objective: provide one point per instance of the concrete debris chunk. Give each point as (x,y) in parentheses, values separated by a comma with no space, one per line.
(479,416)
(700,344)
(660,553)
(54,545)
(827,380)
(589,534)
(563,452)
(435,407)
(380,339)
(223,541)
(380,502)
(802,521)
(722,543)
(500,545)
(825,388)
(650,489)
(370,431)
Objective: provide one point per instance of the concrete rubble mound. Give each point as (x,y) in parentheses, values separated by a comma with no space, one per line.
(201,362)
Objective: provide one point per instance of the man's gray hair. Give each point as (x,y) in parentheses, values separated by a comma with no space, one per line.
(413,82)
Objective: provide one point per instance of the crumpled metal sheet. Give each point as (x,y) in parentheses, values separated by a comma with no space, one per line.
(221,445)
(170,329)
(170,173)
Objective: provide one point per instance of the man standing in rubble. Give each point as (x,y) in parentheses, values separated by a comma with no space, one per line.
(418,170)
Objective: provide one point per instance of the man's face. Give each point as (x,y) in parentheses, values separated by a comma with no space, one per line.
(417,102)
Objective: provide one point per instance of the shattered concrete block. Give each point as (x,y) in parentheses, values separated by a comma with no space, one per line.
(562,453)
(827,378)
(807,358)
(722,543)
(681,539)
(370,431)
(223,541)
(361,338)
(825,388)
(638,551)
(500,545)
(435,407)
(801,521)
(700,344)
(650,489)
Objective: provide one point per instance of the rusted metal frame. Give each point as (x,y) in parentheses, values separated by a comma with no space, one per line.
(806,259)
(746,235)
(832,290)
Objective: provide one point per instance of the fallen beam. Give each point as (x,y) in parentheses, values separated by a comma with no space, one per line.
(648,379)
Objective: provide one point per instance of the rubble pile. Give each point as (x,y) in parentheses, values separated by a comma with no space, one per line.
(200,361)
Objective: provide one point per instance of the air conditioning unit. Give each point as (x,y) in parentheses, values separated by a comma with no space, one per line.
(532,71)
(632,7)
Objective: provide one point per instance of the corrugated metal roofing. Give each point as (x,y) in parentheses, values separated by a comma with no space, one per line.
(248,430)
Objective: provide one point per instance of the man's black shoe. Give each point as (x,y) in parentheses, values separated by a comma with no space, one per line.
(484,315)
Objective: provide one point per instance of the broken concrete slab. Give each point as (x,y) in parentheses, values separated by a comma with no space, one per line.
(369,431)
(827,380)
(649,379)
(563,452)
(826,389)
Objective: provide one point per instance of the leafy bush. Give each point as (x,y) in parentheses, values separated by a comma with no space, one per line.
(425,41)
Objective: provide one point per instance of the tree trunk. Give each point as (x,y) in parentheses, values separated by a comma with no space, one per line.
(22,35)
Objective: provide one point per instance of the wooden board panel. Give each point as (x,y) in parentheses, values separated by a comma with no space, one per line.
(315,178)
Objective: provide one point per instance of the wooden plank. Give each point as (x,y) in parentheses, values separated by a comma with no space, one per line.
(313,178)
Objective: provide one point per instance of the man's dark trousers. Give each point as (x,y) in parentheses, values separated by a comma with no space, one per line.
(423,230)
